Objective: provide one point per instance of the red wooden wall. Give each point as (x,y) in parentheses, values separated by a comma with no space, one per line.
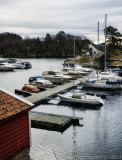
(14,135)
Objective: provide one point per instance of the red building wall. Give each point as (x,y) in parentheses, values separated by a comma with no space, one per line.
(14,135)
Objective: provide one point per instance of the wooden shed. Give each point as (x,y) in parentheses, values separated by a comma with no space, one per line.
(14,124)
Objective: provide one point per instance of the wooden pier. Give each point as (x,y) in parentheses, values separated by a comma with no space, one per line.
(37,99)
(54,122)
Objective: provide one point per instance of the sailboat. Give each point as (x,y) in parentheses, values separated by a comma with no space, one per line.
(103,81)
(81,98)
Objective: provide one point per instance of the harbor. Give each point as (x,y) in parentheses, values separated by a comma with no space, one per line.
(99,132)
(61,80)
(36,99)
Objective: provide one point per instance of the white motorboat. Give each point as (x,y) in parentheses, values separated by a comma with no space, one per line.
(102,84)
(19,65)
(72,72)
(81,98)
(76,66)
(108,75)
(39,81)
(6,67)
(55,77)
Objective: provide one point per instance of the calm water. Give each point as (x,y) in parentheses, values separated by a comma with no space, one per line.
(99,138)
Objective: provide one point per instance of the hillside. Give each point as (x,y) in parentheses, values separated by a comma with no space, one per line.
(59,45)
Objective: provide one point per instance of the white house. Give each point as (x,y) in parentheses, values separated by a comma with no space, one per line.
(92,49)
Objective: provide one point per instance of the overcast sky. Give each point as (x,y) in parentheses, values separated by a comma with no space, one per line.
(36,18)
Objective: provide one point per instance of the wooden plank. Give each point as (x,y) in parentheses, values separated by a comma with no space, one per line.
(58,115)
(36,99)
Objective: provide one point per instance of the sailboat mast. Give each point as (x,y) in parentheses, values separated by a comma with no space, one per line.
(105,39)
(74,47)
(73,68)
(98,36)
(98,50)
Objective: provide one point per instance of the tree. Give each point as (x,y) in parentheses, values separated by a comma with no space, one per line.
(113,37)
(48,38)
(60,36)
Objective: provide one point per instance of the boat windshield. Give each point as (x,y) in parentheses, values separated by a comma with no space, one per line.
(40,78)
(58,73)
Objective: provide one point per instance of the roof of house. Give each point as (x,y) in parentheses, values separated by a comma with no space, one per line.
(101,47)
(11,104)
(98,55)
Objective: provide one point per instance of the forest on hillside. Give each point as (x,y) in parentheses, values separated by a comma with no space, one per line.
(59,45)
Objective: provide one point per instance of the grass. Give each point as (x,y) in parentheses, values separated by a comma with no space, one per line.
(115,54)
(24,155)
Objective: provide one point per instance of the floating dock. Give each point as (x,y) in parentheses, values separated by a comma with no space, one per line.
(37,98)
(50,121)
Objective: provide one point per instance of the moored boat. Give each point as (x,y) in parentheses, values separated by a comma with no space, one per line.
(39,81)
(27,90)
(55,77)
(6,67)
(102,84)
(18,65)
(76,66)
(27,65)
(73,73)
(30,88)
(81,98)
(108,75)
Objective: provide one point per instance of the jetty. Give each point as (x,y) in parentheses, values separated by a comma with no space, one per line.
(54,122)
(38,98)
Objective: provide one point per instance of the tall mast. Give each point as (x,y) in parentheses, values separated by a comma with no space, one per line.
(105,39)
(98,50)
(74,47)
(73,68)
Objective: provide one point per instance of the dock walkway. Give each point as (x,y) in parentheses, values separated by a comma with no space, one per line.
(36,99)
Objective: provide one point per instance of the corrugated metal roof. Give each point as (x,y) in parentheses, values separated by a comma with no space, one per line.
(11,104)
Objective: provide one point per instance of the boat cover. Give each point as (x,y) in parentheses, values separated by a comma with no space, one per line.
(78,96)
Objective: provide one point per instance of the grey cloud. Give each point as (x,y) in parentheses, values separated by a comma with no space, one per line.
(35,17)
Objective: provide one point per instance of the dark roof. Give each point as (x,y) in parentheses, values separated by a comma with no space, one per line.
(98,55)
(11,104)
(101,47)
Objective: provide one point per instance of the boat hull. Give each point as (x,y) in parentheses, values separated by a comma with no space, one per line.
(57,79)
(75,76)
(6,69)
(85,100)
(100,85)
(41,85)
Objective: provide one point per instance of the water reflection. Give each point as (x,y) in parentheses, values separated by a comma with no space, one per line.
(101,134)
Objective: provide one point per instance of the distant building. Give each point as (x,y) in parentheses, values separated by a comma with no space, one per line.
(14,124)
(92,50)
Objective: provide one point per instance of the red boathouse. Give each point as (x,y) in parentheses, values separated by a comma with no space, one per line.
(14,124)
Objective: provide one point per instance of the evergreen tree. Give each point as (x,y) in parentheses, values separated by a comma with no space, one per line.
(114,37)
